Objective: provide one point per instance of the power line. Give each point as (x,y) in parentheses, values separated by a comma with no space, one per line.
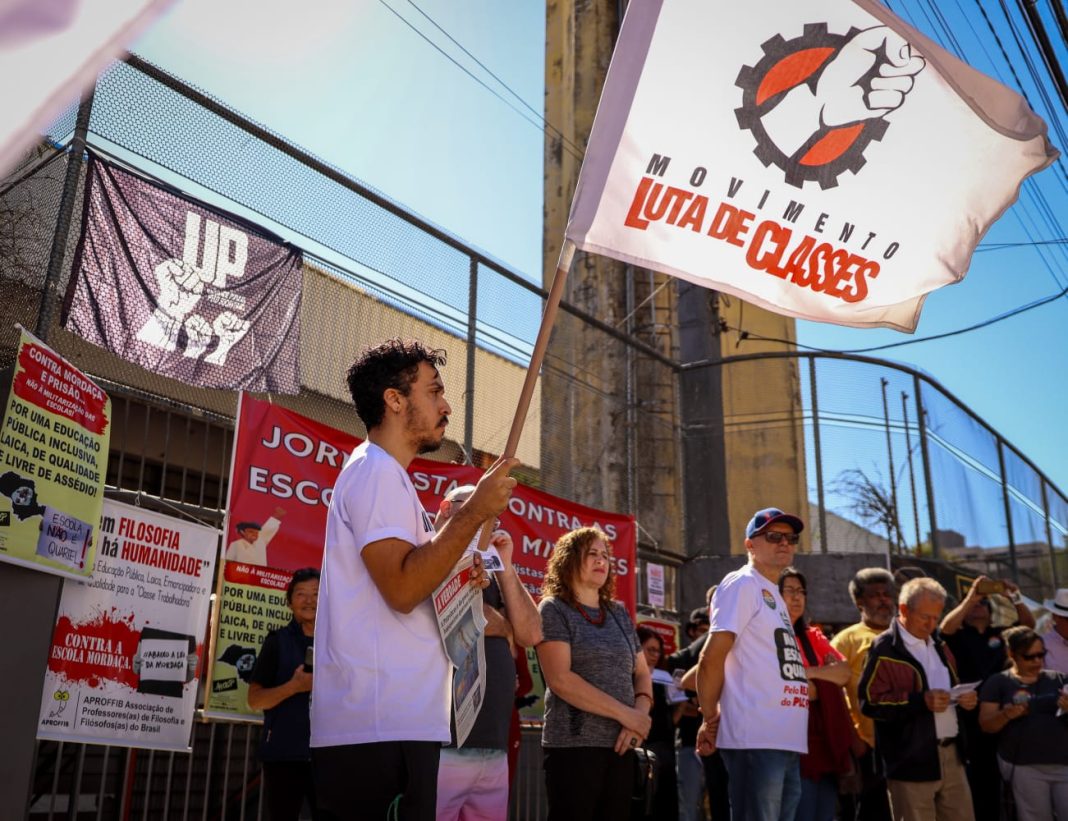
(999,246)
(553,129)
(542,126)
(977,326)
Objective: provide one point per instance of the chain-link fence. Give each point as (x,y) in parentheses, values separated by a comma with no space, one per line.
(895,464)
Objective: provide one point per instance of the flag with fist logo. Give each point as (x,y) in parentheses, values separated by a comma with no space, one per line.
(184,290)
(822,160)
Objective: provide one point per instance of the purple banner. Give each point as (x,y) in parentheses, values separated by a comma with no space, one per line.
(184,290)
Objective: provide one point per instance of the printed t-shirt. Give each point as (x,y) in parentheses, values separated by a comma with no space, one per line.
(764,703)
(1038,737)
(854,642)
(602,655)
(380,675)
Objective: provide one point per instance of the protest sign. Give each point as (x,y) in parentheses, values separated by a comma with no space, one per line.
(53,455)
(458,608)
(128,643)
(182,289)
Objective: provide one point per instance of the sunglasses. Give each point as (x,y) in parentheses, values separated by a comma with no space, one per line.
(1033,656)
(775,537)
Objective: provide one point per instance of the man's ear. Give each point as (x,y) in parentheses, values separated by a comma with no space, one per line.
(393,399)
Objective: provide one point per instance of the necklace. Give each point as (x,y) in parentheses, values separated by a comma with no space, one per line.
(582,609)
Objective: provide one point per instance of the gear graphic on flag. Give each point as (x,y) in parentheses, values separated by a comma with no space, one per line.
(837,90)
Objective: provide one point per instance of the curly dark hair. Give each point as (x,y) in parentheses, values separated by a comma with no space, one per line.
(390,364)
(305,574)
(566,562)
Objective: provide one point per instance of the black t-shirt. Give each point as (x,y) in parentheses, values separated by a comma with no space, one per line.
(978,655)
(684,659)
(265,672)
(1038,737)
(493,722)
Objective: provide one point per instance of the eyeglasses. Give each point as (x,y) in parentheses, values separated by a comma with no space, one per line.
(1033,656)
(775,537)
(794,591)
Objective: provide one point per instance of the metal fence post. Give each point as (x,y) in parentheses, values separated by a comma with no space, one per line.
(469,393)
(60,238)
(893,472)
(1049,533)
(921,421)
(1008,511)
(819,453)
(912,471)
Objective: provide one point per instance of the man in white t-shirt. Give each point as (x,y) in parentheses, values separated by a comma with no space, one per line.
(380,702)
(751,681)
(251,545)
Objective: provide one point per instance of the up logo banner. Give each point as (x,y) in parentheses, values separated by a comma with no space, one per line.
(777,155)
(183,290)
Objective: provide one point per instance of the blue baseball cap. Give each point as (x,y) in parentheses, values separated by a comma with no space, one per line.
(762,518)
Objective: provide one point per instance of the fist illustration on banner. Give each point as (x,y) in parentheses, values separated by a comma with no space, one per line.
(867,79)
(180,288)
(198,334)
(230,329)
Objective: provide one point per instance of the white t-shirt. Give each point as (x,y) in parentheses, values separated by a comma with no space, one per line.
(764,703)
(255,552)
(380,675)
(938,678)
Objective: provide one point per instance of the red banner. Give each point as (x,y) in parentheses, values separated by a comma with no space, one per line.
(284,470)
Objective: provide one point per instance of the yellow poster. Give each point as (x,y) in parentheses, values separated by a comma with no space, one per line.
(53,455)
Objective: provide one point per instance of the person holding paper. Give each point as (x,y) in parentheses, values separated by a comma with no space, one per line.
(380,702)
(1025,706)
(979,649)
(599,687)
(473,779)
(661,738)
(905,687)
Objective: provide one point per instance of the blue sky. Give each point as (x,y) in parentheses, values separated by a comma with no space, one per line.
(370,95)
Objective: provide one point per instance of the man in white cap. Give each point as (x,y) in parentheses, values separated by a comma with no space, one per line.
(1056,639)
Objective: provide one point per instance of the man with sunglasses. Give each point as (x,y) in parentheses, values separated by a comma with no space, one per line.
(751,680)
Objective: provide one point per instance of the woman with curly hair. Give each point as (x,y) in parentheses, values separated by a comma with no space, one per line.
(599,686)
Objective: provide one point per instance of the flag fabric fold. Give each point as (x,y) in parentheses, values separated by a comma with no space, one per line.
(823,159)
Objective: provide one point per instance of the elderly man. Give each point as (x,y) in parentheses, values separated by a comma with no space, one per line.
(873,591)
(381,695)
(1056,639)
(751,680)
(473,779)
(905,687)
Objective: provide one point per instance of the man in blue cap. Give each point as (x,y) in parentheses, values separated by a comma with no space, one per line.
(751,680)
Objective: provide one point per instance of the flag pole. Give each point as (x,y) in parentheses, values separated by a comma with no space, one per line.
(537,356)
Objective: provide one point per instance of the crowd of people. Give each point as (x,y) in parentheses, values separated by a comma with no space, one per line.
(911,713)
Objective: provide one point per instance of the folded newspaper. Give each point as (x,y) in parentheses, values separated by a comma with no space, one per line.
(458,607)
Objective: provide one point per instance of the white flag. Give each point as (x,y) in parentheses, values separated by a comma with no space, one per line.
(51,52)
(821,159)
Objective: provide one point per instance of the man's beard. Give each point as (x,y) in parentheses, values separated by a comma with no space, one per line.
(427,443)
